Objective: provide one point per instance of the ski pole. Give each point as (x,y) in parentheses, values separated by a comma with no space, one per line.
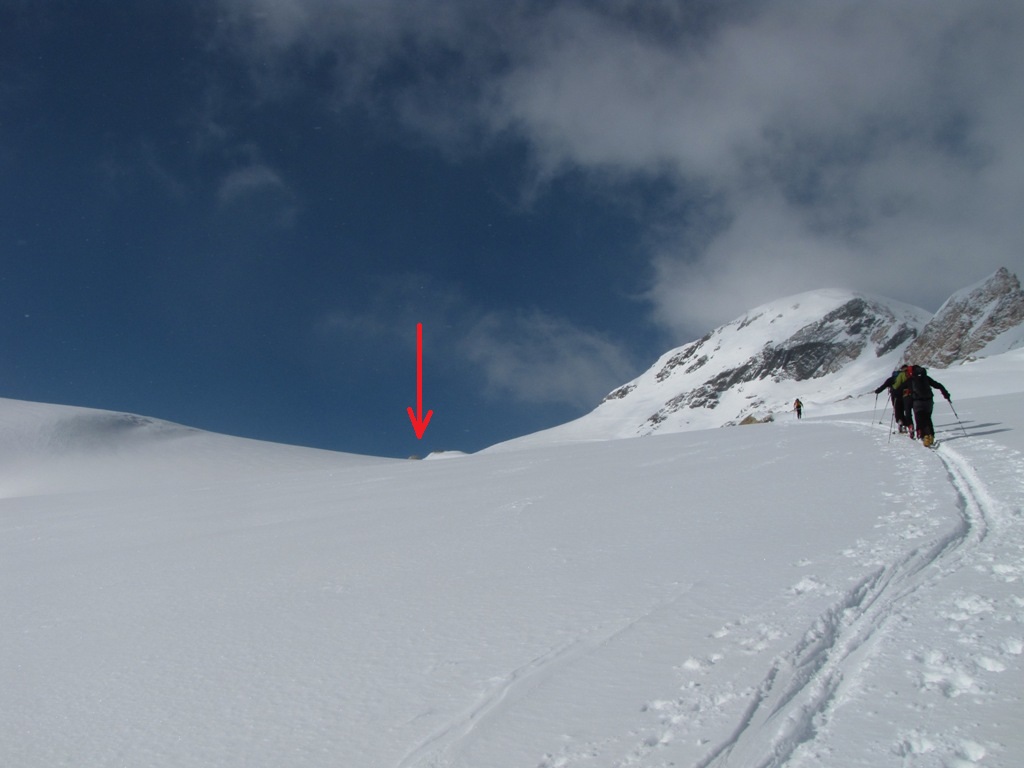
(957,416)
(874,408)
(892,420)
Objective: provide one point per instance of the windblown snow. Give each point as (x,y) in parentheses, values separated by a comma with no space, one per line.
(814,593)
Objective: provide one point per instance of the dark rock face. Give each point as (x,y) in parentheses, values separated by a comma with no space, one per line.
(684,356)
(619,393)
(969,321)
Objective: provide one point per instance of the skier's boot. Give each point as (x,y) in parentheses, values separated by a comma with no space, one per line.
(927,441)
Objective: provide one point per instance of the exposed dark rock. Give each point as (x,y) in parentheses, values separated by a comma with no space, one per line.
(621,392)
(902,334)
(685,354)
(969,321)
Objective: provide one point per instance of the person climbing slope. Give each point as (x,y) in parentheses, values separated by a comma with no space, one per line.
(906,396)
(901,414)
(921,386)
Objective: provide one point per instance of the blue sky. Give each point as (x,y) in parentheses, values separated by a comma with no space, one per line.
(233,213)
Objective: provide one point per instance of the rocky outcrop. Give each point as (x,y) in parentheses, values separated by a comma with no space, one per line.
(970,321)
(818,349)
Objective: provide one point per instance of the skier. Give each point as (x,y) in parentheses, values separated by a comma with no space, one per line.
(799,408)
(906,395)
(921,385)
(900,412)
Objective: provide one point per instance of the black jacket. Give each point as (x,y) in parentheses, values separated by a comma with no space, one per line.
(887,384)
(922,384)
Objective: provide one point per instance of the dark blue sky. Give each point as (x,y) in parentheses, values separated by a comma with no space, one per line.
(233,213)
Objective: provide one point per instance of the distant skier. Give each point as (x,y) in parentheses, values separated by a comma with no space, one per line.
(799,408)
(921,385)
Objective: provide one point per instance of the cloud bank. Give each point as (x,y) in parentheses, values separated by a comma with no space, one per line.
(868,144)
(535,358)
(871,145)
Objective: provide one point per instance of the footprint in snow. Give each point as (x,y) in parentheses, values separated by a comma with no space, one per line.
(971,753)
(693,664)
(766,635)
(1007,573)
(805,585)
(966,753)
(944,675)
(1012,646)
(990,665)
(969,606)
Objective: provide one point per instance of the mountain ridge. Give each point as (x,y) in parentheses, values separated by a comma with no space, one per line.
(824,347)
(977,319)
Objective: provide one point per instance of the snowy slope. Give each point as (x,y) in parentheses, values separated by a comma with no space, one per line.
(800,594)
(54,449)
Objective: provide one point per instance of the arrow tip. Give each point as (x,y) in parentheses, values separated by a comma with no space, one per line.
(419,426)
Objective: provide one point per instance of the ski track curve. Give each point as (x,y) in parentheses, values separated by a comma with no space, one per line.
(442,747)
(797,695)
(439,747)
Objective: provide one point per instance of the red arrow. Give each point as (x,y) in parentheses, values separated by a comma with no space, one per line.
(419,422)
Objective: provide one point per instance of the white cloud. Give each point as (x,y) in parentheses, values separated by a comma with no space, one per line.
(866,144)
(870,144)
(533,357)
(242,182)
(258,188)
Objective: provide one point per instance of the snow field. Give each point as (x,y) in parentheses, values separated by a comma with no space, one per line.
(816,593)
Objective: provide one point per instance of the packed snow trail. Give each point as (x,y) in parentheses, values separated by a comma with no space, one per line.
(956,642)
(797,694)
(908,638)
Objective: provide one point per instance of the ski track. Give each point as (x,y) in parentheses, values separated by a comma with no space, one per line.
(438,749)
(441,748)
(797,695)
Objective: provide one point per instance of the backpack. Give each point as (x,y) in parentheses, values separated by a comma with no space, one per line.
(919,383)
(900,384)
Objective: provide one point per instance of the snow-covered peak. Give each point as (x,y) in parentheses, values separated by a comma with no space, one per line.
(984,319)
(825,347)
(821,346)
